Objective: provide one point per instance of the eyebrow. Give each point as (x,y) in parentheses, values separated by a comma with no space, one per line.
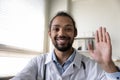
(57,25)
(69,25)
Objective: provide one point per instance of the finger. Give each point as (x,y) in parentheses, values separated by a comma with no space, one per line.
(104,34)
(91,51)
(90,48)
(108,38)
(96,37)
(100,34)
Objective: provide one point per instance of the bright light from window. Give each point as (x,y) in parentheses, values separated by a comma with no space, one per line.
(15,65)
(22,23)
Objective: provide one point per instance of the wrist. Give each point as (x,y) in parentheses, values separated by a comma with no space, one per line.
(109,67)
(118,69)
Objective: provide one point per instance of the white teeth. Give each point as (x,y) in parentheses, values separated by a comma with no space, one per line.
(61,41)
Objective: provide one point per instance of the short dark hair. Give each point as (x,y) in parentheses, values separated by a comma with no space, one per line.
(62,13)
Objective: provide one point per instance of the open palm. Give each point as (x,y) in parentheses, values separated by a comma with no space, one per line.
(103,49)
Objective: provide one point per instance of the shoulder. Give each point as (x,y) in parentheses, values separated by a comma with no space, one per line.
(85,59)
(92,66)
(40,58)
(88,60)
(90,63)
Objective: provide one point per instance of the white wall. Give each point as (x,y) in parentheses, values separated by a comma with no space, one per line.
(58,5)
(91,14)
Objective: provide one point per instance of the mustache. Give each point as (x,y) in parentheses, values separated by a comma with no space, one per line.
(62,37)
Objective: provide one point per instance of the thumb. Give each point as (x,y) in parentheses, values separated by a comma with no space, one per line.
(90,48)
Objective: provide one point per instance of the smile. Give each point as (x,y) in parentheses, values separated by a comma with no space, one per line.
(62,41)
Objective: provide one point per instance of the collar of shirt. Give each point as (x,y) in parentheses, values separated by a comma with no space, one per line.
(70,59)
(77,58)
(63,67)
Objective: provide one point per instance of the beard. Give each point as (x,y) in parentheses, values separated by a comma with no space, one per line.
(63,47)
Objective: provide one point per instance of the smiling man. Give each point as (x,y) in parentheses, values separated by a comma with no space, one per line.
(62,33)
(65,63)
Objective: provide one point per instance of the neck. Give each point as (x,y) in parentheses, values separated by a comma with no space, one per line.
(63,56)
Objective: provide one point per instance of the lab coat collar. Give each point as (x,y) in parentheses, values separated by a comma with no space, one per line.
(74,66)
(77,60)
(49,57)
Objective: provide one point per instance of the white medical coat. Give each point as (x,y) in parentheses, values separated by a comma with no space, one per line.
(76,70)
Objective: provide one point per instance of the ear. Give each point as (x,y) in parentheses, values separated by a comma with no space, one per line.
(75,33)
(49,33)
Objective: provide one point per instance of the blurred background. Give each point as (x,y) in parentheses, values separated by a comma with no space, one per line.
(24,26)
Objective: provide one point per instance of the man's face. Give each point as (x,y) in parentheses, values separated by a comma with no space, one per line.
(62,33)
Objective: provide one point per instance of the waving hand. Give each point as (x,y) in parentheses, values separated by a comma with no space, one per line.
(102,53)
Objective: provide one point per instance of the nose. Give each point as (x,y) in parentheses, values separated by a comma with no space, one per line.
(61,32)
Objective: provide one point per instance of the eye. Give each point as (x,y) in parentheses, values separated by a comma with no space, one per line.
(68,29)
(56,29)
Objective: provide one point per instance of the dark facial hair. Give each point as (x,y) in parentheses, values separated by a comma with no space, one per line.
(64,48)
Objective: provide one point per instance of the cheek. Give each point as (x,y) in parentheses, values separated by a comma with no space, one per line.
(72,35)
(52,36)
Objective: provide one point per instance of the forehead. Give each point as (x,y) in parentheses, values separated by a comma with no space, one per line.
(62,20)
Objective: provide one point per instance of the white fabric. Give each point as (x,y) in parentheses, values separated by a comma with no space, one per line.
(35,69)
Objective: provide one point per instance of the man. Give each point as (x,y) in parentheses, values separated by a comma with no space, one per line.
(65,63)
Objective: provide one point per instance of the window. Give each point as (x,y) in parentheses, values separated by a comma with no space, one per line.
(22,24)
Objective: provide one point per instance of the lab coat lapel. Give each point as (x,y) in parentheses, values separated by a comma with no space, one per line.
(54,74)
(74,66)
(70,70)
(53,68)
